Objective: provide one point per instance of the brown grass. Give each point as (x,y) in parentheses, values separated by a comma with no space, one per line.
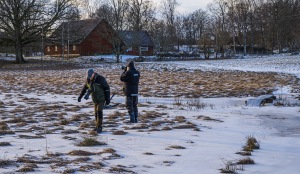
(246,161)
(176,147)
(251,144)
(5,144)
(109,150)
(168,83)
(80,153)
(120,169)
(119,132)
(206,118)
(90,142)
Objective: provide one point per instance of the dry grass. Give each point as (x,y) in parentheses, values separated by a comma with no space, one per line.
(5,144)
(70,131)
(231,167)
(206,118)
(251,144)
(6,163)
(180,119)
(244,153)
(27,168)
(148,153)
(109,150)
(119,132)
(90,142)
(197,84)
(81,153)
(185,126)
(246,161)
(120,169)
(176,147)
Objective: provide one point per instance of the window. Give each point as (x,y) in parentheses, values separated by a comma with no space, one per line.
(48,48)
(55,47)
(66,47)
(74,47)
(129,49)
(143,48)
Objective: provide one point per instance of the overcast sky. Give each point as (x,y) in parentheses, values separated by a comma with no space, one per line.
(186,6)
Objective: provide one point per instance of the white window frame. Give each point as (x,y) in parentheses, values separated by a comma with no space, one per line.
(144,49)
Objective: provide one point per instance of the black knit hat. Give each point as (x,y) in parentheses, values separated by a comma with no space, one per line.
(90,72)
(130,64)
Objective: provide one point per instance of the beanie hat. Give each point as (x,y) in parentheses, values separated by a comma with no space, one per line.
(90,72)
(130,64)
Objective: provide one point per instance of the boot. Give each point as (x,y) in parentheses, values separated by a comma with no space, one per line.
(99,121)
(131,115)
(136,114)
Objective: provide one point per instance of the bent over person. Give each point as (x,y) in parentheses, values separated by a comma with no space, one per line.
(131,78)
(97,86)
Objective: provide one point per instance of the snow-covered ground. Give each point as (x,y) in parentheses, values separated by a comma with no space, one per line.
(172,137)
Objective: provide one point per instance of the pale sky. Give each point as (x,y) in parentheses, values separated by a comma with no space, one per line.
(186,6)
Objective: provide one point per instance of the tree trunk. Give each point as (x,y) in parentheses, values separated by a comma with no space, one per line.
(118,57)
(19,53)
(245,40)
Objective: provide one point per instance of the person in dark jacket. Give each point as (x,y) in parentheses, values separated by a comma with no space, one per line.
(97,86)
(131,78)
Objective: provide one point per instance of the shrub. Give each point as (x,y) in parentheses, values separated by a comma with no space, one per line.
(251,144)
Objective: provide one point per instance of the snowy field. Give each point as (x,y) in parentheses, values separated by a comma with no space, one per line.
(193,119)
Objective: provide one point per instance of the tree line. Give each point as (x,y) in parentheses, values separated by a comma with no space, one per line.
(245,26)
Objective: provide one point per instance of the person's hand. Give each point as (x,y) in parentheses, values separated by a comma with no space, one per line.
(107,102)
(79,99)
(87,96)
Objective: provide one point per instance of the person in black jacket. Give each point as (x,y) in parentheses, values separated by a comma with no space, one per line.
(97,86)
(131,78)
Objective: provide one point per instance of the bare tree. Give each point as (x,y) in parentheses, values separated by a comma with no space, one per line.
(140,14)
(118,10)
(104,11)
(24,21)
(169,15)
(219,11)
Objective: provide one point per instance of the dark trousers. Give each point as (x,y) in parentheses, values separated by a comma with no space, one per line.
(131,104)
(98,108)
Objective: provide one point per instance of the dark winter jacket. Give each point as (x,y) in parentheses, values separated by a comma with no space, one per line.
(97,79)
(131,79)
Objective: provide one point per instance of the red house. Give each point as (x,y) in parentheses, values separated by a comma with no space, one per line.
(93,37)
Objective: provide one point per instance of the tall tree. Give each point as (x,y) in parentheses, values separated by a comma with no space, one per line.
(219,11)
(116,19)
(169,16)
(24,21)
(140,14)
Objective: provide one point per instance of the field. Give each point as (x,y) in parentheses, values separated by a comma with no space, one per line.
(192,117)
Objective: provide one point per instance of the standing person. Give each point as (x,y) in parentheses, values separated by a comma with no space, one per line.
(97,86)
(131,78)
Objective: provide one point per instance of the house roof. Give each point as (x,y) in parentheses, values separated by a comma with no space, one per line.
(76,31)
(134,38)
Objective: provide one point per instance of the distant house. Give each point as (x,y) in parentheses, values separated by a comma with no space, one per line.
(82,38)
(93,37)
(137,43)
